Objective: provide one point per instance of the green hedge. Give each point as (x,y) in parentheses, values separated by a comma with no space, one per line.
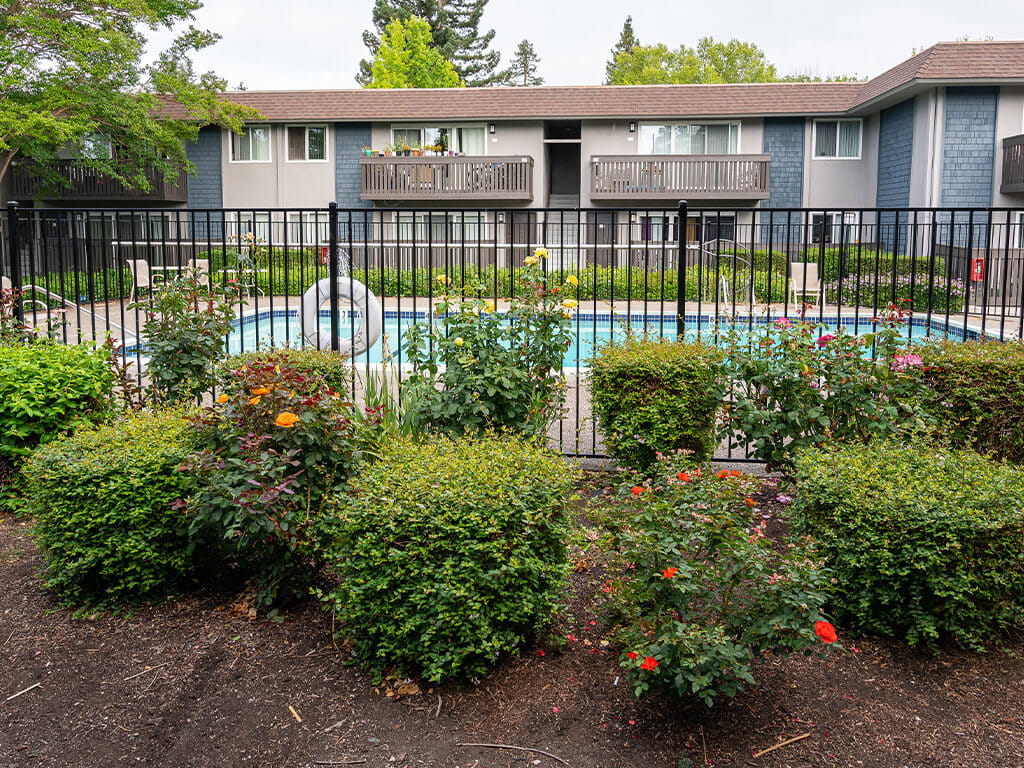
(102,503)
(977,394)
(918,293)
(651,395)
(847,263)
(450,554)
(47,389)
(924,542)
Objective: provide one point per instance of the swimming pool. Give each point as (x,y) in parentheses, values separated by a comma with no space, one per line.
(283,327)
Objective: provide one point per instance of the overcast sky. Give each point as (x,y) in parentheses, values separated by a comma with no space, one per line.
(299,44)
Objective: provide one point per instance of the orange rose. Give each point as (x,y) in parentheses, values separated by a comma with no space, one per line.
(223,399)
(286,419)
(261,391)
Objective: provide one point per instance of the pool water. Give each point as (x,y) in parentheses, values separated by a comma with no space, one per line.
(281,328)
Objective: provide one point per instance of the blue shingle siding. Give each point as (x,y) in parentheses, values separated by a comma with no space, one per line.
(895,154)
(784,141)
(349,140)
(206,188)
(968,157)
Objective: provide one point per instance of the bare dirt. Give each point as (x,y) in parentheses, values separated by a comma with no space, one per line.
(191,683)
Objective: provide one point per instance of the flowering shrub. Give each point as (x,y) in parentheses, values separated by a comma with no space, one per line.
(500,370)
(975,391)
(924,542)
(273,447)
(698,592)
(186,323)
(920,293)
(102,499)
(450,554)
(798,384)
(653,395)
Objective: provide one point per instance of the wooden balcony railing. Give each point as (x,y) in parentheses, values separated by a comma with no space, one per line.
(88,184)
(1013,165)
(447,178)
(674,177)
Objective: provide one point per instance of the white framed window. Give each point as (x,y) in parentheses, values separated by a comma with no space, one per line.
(464,139)
(837,139)
(97,146)
(689,139)
(829,228)
(307,143)
(308,228)
(442,227)
(252,145)
(249,227)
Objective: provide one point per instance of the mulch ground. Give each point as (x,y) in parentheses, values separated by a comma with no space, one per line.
(192,683)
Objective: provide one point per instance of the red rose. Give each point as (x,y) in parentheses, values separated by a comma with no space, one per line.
(649,663)
(669,572)
(637,490)
(631,655)
(825,631)
(683,477)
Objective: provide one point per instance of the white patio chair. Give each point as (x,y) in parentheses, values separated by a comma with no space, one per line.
(141,276)
(7,285)
(199,269)
(804,281)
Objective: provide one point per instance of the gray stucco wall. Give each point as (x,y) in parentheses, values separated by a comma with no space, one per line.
(349,139)
(968,157)
(783,139)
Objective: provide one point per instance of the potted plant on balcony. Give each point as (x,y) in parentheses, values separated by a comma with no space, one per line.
(367,152)
(405,150)
(417,151)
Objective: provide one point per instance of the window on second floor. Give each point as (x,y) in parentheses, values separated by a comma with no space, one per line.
(837,139)
(466,139)
(690,139)
(252,145)
(97,146)
(307,143)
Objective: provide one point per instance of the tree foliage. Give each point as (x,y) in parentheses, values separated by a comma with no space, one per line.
(523,69)
(406,59)
(627,42)
(710,62)
(71,70)
(454,29)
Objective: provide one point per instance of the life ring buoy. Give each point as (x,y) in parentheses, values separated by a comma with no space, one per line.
(362,300)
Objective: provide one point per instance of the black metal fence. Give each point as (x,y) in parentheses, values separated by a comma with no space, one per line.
(674,272)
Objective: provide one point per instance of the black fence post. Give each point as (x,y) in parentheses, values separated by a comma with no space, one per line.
(681,272)
(14,250)
(332,218)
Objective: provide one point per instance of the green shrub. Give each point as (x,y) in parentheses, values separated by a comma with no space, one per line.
(47,389)
(102,502)
(977,394)
(920,294)
(924,542)
(450,553)
(329,368)
(274,446)
(848,263)
(652,395)
(698,593)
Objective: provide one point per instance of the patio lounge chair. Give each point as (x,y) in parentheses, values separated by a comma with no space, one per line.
(803,281)
(141,277)
(7,285)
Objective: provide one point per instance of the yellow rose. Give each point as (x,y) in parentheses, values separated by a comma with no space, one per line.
(488,307)
(570,303)
(531,260)
(459,341)
(572,280)
(442,279)
(541,252)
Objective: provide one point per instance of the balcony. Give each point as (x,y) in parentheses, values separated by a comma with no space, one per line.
(447,178)
(1013,165)
(89,185)
(678,177)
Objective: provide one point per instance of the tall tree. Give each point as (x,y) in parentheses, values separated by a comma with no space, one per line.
(455,33)
(472,57)
(73,70)
(385,11)
(710,62)
(406,59)
(523,69)
(627,42)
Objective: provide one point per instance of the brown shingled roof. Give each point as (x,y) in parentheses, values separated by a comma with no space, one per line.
(551,101)
(987,60)
(971,61)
